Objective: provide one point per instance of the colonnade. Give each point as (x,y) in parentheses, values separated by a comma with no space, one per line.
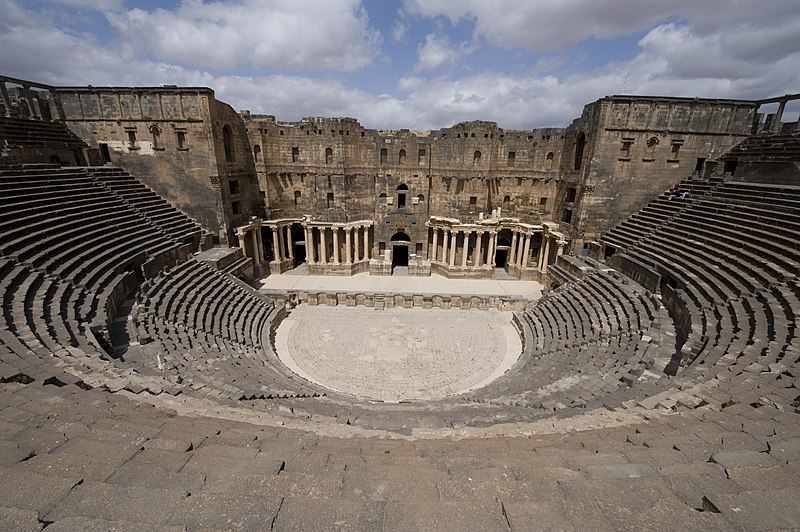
(252,232)
(480,244)
(282,244)
(352,235)
(484,246)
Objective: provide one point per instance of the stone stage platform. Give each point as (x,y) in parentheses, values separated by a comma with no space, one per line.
(434,285)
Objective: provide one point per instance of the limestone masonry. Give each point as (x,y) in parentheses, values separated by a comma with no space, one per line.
(214,320)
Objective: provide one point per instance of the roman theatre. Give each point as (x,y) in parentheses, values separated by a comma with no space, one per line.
(215,319)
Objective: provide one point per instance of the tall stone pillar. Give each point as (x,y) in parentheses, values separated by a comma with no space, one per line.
(323,246)
(254,238)
(309,244)
(281,243)
(276,250)
(776,123)
(491,252)
(546,255)
(242,243)
(512,252)
(445,240)
(357,241)
(478,251)
(367,249)
(6,99)
(335,244)
(453,236)
(526,251)
(348,254)
(289,245)
(465,250)
(541,254)
(432,255)
(260,241)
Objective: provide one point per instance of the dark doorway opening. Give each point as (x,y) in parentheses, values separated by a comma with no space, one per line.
(399,255)
(501,255)
(299,239)
(400,242)
(500,258)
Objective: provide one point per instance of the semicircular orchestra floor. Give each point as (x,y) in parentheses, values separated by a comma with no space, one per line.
(399,353)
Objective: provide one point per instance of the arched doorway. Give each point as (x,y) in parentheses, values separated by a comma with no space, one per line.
(400,243)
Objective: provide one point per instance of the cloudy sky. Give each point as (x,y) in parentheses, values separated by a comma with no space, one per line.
(412,63)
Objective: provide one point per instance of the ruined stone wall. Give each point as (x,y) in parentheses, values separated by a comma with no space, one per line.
(238,194)
(164,136)
(335,170)
(634,148)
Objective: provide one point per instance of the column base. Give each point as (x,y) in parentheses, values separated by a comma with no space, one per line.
(342,269)
(462,272)
(525,274)
(277,267)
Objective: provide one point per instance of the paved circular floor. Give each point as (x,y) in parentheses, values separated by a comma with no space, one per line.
(398,353)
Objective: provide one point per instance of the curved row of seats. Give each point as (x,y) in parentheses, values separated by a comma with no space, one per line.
(731,257)
(584,340)
(68,247)
(213,332)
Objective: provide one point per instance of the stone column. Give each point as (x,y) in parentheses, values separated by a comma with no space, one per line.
(445,240)
(335,244)
(289,245)
(348,254)
(323,246)
(491,251)
(512,252)
(6,98)
(526,251)
(776,123)
(545,256)
(281,243)
(453,237)
(367,249)
(242,243)
(357,240)
(432,256)
(465,246)
(309,244)
(256,254)
(262,255)
(478,250)
(541,253)
(276,250)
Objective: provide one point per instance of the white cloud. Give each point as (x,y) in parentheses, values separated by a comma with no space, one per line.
(399,30)
(547,25)
(754,59)
(435,52)
(314,34)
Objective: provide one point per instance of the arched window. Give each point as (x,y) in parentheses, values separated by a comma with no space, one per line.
(421,198)
(382,199)
(296,196)
(506,201)
(580,143)
(402,190)
(401,157)
(328,156)
(548,162)
(257,153)
(476,158)
(156,132)
(227,140)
